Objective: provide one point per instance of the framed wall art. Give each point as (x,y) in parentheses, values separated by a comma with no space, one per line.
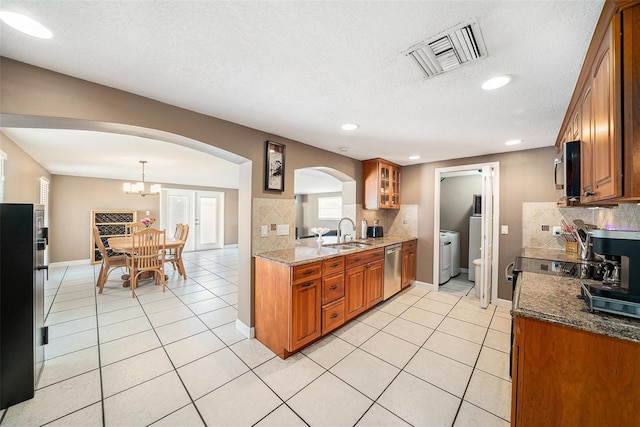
(274,166)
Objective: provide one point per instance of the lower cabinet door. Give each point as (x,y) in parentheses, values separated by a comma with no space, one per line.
(354,292)
(332,316)
(305,314)
(374,282)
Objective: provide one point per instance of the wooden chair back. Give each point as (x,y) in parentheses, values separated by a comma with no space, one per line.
(133,227)
(108,262)
(147,254)
(178,232)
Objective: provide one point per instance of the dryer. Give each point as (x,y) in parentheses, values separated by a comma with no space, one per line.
(445,258)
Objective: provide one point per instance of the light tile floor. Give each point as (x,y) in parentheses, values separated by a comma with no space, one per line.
(175,359)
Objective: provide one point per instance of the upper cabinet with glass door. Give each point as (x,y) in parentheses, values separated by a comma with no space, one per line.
(381,184)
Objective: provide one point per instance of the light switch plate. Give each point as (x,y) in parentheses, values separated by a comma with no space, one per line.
(283,229)
(264,231)
(504,229)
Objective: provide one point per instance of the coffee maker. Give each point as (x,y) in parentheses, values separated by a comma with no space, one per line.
(619,290)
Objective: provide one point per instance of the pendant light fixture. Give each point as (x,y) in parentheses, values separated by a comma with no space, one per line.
(139,187)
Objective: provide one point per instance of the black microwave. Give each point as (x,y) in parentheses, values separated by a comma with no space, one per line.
(567,171)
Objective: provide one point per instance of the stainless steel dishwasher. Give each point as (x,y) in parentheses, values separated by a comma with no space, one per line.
(392,270)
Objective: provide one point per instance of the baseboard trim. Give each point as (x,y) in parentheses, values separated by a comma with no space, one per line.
(423,285)
(232,245)
(245,330)
(502,303)
(69,263)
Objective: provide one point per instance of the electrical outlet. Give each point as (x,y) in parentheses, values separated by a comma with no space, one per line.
(264,231)
(545,228)
(273,227)
(283,229)
(504,229)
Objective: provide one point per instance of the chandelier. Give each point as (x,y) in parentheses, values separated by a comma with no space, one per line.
(138,187)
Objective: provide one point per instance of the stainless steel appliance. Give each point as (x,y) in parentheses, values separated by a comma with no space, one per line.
(392,270)
(619,290)
(375,231)
(567,171)
(23,240)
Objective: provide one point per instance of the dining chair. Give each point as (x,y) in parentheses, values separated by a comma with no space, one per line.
(175,257)
(109,263)
(147,256)
(133,227)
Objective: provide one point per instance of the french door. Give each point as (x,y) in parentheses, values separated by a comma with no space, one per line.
(203,211)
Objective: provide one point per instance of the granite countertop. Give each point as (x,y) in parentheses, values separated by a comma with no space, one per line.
(304,254)
(555,299)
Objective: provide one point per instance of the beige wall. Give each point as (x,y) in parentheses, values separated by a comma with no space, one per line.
(73,198)
(36,95)
(525,176)
(22,174)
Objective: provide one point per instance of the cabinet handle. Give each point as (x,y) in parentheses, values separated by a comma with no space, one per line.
(333,288)
(368,266)
(306,285)
(357,259)
(306,273)
(334,315)
(589,194)
(334,265)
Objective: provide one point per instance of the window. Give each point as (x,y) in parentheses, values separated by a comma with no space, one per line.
(330,207)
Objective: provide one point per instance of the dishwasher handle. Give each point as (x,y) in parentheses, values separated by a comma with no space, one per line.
(392,249)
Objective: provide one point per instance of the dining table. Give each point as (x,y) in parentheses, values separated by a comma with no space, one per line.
(124,244)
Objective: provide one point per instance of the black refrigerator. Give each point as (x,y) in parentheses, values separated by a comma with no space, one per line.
(23,240)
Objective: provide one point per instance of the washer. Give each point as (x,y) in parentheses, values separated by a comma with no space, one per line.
(445,258)
(455,251)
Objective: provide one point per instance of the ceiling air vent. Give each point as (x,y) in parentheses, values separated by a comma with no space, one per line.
(449,50)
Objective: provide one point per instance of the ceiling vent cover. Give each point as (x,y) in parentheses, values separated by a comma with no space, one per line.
(449,50)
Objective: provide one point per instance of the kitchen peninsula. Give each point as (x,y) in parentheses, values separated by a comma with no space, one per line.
(306,292)
(570,366)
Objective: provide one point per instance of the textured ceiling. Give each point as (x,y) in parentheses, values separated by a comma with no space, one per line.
(300,69)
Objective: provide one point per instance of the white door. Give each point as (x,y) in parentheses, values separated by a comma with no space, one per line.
(208,230)
(486,239)
(178,209)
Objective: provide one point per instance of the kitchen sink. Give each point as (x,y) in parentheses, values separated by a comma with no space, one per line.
(348,246)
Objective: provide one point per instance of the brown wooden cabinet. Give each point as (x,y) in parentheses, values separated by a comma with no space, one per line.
(364,277)
(381,184)
(287,305)
(409,262)
(304,316)
(604,113)
(568,377)
(294,306)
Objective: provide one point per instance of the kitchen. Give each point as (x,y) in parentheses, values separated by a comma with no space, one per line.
(418,180)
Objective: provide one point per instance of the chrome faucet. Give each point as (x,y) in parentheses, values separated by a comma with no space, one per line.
(353,226)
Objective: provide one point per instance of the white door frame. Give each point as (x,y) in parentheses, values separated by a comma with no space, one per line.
(496,221)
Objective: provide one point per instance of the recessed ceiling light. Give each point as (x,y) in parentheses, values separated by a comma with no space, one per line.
(350,126)
(26,25)
(496,82)
(513,142)
(344,148)
(414,157)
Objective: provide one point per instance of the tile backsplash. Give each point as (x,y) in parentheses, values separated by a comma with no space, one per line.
(401,223)
(535,215)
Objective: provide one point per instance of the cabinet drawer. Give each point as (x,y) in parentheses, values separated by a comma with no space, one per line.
(366,257)
(332,316)
(333,265)
(332,287)
(412,244)
(306,272)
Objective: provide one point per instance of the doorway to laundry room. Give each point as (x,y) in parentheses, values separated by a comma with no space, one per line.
(465,228)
